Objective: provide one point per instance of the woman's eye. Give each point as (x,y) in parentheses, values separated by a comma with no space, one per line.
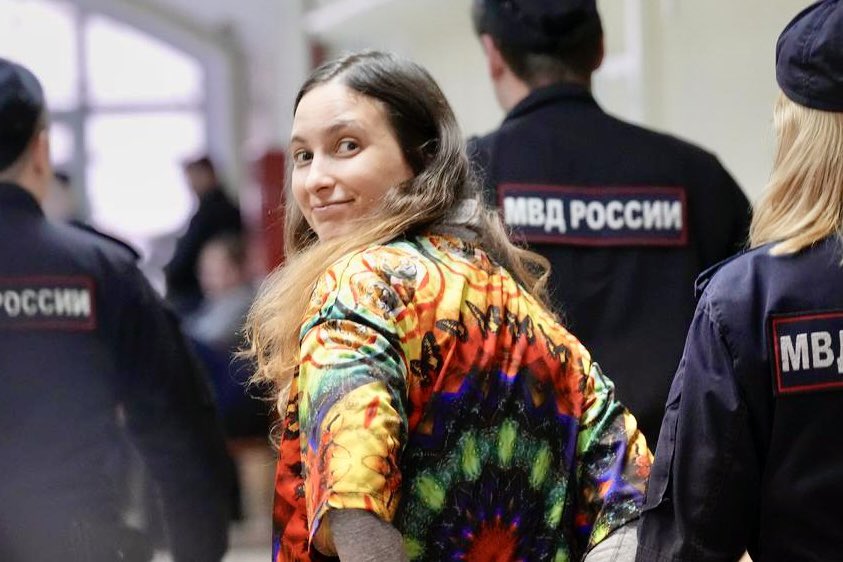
(347,145)
(302,157)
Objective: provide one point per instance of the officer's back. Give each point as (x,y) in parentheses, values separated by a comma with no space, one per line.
(751,425)
(750,455)
(84,342)
(627,217)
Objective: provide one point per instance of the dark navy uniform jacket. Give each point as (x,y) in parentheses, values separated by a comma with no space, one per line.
(751,451)
(82,335)
(627,217)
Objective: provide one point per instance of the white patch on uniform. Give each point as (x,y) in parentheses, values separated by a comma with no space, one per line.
(807,351)
(596,216)
(47,303)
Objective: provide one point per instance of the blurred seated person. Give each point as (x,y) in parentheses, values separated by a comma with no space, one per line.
(227,292)
(215,326)
(216,214)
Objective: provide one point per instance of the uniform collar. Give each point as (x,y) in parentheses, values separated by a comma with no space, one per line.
(549,94)
(15,196)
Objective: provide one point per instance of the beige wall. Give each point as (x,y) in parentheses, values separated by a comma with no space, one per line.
(713,64)
(701,70)
(438,35)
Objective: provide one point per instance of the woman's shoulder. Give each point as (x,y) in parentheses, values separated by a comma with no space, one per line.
(754,270)
(392,267)
(401,268)
(376,261)
(736,274)
(421,251)
(758,280)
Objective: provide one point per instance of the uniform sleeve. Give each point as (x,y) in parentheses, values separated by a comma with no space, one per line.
(352,414)
(613,462)
(702,499)
(171,418)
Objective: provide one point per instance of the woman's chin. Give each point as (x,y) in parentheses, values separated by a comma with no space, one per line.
(333,231)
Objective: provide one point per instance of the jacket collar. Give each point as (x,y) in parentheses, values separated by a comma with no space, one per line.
(16,197)
(550,94)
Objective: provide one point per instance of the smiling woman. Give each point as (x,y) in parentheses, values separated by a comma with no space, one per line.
(432,403)
(345,158)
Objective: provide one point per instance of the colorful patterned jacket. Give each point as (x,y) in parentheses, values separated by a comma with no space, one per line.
(436,393)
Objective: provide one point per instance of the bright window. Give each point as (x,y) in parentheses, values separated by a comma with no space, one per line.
(61,144)
(126,66)
(141,196)
(42,36)
(126,110)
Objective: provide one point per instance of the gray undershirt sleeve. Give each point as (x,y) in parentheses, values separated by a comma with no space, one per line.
(360,536)
(619,546)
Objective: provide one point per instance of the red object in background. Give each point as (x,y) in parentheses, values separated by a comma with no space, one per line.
(269,170)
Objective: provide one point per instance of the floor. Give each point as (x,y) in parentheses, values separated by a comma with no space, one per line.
(250,539)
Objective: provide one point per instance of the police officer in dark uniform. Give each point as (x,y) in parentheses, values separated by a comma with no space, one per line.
(627,217)
(83,336)
(750,455)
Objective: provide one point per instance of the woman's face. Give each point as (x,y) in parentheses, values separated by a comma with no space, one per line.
(345,157)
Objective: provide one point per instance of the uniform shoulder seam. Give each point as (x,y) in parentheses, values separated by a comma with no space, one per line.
(107,240)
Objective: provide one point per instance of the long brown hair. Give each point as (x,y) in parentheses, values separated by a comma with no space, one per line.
(432,144)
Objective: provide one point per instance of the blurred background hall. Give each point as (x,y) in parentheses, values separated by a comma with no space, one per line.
(138,88)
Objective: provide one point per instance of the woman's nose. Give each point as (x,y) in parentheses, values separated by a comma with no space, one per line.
(319,175)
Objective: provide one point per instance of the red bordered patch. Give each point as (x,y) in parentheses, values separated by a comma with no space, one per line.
(596,216)
(807,351)
(47,303)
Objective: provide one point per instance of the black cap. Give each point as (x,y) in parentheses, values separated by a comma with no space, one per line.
(21,104)
(543,26)
(809,57)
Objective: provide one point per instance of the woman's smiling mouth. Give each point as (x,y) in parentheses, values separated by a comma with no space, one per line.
(331,207)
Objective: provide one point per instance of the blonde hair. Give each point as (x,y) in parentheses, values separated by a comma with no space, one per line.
(803,201)
(432,143)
